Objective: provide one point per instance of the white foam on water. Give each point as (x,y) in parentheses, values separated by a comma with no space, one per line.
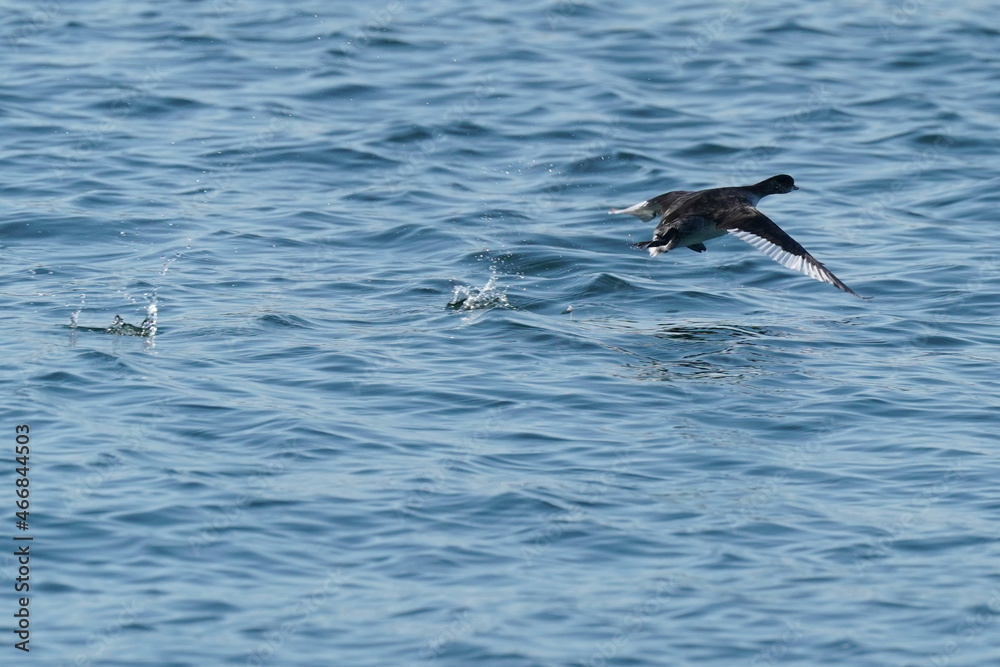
(490,295)
(149,324)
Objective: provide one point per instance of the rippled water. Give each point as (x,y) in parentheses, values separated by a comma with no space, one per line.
(405,395)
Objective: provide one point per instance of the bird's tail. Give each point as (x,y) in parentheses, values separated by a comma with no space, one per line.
(641,210)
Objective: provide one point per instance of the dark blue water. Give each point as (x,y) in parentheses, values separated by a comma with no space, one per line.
(405,395)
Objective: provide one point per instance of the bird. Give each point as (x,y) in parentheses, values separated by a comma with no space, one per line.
(689,218)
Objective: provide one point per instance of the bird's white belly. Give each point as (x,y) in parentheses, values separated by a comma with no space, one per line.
(699,234)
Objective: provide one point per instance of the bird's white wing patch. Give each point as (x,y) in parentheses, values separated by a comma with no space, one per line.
(806,265)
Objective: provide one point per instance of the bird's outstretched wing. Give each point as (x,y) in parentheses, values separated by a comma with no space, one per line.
(760,231)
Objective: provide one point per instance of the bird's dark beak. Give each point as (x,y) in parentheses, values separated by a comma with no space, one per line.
(795,187)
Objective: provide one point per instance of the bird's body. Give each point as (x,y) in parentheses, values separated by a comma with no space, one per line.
(690,218)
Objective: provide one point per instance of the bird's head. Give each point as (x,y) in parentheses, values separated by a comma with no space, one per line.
(778,185)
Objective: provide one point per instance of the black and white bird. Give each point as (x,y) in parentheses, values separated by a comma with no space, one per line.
(691,218)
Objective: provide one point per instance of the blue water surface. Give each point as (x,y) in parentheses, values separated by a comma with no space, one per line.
(405,395)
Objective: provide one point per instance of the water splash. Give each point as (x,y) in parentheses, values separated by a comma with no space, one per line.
(490,295)
(149,324)
(167,261)
(122,328)
(75,316)
(119,327)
